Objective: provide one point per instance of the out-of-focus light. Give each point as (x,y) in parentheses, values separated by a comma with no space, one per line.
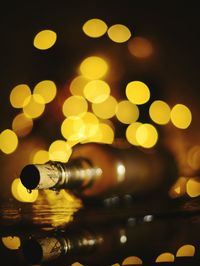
(34,106)
(193,187)
(96,91)
(186,251)
(77,85)
(41,156)
(127,112)
(137,92)
(132,260)
(181,116)
(106,109)
(45,39)
(73,128)
(74,105)
(193,157)
(19,94)
(8,141)
(146,135)
(47,90)
(95,28)
(76,264)
(140,47)
(91,124)
(119,33)
(60,151)
(179,188)
(11,242)
(93,67)
(165,257)
(20,193)
(159,112)
(131,133)
(22,125)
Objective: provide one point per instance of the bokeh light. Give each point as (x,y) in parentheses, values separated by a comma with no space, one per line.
(159,112)
(137,92)
(119,33)
(105,109)
(186,251)
(46,89)
(165,257)
(96,91)
(132,260)
(40,157)
(22,125)
(19,94)
(73,128)
(179,188)
(193,187)
(95,28)
(140,47)
(59,150)
(11,242)
(193,157)
(181,116)
(127,112)
(146,135)
(131,133)
(93,67)
(77,85)
(45,39)
(91,124)
(33,106)
(21,193)
(8,141)
(74,105)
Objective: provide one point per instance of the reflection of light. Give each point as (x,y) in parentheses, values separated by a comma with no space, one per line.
(74,105)
(106,109)
(119,33)
(77,85)
(159,112)
(179,188)
(76,264)
(193,157)
(34,106)
(40,156)
(123,239)
(96,91)
(127,112)
(131,133)
(148,218)
(146,135)
(165,257)
(20,193)
(18,95)
(59,150)
(11,242)
(132,260)
(181,116)
(45,39)
(140,47)
(116,264)
(73,128)
(93,67)
(193,187)
(22,125)
(95,28)
(120,172)
(186,251)
(8,141)
(46,89)
(137,92)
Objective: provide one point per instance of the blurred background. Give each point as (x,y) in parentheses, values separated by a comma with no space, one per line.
(76,72)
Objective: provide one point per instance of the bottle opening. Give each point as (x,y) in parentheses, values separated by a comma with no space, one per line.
(30,176)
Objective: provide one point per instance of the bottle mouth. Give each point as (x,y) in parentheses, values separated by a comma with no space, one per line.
(30,176)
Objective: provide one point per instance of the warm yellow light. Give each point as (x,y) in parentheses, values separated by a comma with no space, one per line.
(19,94)
(20,193)
(193,187)
(73,128)
(105,109)
(179,188)
(186,251)
(76,264)
(95,28)
(127,112)
(165,257)
(193,157)
(74,105)
(47,90)
(60,151)
(181,116)
(137,92)
(93,67)
(132,260)
(40,157)
(131,133)
(45,39)
(11,242)
(146,135)
(159,112)
(91,123)
(34,106)
(119,33)
(8,141)
(22,125)
(96,91)
(77,85)
(140,47)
